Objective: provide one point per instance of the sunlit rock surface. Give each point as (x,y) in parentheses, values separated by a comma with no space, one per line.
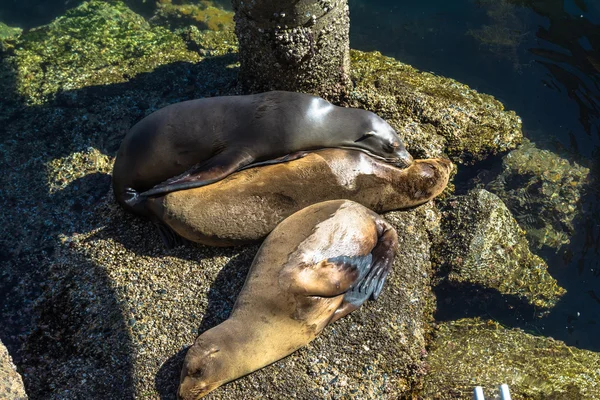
(543,191)
(11,383)
(470,352)
(434,114)
(482,244)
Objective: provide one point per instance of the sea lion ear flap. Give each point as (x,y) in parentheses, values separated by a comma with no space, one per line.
(363,137)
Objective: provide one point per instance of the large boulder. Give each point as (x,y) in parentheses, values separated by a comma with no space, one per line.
(543,191)
(471,352)
(482,244)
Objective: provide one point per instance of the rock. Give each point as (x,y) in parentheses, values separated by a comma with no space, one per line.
(543,191)
(11,383)
(204,14)
(8,32)
(482,244)
(435,115)
(96,43)
(167,296)
(472,352)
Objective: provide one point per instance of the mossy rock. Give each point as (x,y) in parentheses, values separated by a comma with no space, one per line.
(471,352)
(97,43)
(482,244)
(435,115)
(543,190)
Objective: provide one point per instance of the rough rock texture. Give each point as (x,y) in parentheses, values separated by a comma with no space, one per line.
(7,32)
(86,47)
(482,244)
(543,191)
(303,46)
(11,383)
(435,115)
(161,299)
(203,14)
(472,352)
(94,304)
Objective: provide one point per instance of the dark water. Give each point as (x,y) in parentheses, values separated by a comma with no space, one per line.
(543,62)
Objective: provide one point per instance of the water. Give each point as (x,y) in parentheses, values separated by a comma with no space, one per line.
(541,58)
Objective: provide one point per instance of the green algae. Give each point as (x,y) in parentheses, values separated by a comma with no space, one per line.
(8,32)
(203,14)
(97,43)
(481,243)
(471,352)
(435,115)
(543,191)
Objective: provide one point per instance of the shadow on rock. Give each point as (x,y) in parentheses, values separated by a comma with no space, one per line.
(221,298)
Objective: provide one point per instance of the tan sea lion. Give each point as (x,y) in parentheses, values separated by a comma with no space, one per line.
(198,142)
(249,204)
(317,266)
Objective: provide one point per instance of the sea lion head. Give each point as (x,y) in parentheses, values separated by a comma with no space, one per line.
(203,371)
(425,179)
(381,141)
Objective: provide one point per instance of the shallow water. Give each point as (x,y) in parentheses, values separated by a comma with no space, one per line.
(541,58)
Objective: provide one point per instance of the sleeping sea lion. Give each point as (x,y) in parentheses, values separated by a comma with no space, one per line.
(249,204)
(198,142)
(317,266)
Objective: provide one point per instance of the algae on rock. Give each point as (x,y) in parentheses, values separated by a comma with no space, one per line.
(482,244)
(97,43)
(435,115)
(472,352)
(543,191)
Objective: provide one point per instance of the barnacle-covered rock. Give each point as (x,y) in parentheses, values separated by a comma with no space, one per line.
(543,191)
(471,352)
(482,244)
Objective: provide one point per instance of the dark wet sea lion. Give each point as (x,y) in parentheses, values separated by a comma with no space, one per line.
(249,204)
(198,142)
(317,266)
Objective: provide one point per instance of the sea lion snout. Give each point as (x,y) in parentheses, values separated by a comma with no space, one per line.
(201,372)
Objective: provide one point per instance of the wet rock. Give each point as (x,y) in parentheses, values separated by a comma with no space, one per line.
(434,114)
(8,32)
(472,352)
(11,383)
(543,191)
(482,244)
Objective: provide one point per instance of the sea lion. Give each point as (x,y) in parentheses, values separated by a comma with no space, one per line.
(317,266)
(198,142)
(249,204)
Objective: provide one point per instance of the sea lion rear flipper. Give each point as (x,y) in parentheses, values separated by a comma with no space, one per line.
(330,277)
(210,171)
(370,286)
(287,158)
(169,237)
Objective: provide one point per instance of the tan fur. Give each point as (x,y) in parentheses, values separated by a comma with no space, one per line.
(249,204)
(291,293)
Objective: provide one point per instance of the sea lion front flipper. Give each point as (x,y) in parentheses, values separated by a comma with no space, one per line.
(288,157)
(330,277)
(210,171)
